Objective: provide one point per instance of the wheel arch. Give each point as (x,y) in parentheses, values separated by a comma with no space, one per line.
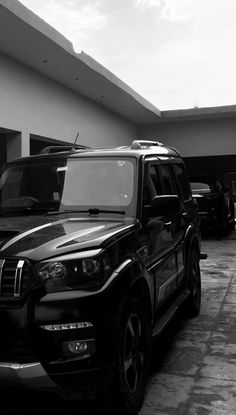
(140,290)
(192,241)
(136,286)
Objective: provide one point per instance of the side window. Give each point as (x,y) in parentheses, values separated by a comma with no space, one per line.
(219,185)
(168,187)
(155,179)
(152,186)
(182,181)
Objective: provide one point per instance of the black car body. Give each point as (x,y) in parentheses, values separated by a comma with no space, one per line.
(98,250)
(215,204)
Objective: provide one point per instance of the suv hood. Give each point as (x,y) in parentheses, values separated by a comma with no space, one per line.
(38,238)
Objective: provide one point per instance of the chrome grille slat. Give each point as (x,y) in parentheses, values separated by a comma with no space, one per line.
(14,278)
(18,277)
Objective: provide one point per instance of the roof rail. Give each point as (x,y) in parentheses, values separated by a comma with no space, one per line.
(137,144)
(177,151)
(58,149)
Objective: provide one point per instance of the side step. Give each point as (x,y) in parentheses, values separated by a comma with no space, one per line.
(169,313)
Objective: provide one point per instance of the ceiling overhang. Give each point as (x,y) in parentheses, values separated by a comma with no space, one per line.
(31,41)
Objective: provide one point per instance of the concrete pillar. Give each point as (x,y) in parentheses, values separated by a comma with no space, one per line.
(18,145)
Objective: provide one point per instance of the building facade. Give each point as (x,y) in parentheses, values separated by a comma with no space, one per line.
(49,93)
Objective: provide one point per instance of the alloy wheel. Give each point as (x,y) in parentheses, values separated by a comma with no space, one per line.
(133,352)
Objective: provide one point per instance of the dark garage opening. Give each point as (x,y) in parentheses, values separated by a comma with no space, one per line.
(224,167)
(37,143)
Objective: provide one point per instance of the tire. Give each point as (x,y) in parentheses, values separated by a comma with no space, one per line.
(227,223)
(223,229)
(193,303)
(232,226)
(132,359)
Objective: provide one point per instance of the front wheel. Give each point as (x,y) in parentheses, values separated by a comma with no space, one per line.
(193,302)
(132,360)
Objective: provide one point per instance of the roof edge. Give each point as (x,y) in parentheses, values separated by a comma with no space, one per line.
(111,77)
(37,23)
(199,112)
(33,20)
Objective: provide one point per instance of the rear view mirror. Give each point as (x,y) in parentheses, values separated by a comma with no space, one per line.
(164,205)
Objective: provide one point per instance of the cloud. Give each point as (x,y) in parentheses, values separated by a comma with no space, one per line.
(170,51)
(147,4)
(179,11)
(172,10)
(70,17)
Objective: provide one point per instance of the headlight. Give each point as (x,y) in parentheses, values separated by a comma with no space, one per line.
(74,272)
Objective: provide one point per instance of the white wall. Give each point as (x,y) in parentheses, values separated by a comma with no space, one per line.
(196,138)
(34,104)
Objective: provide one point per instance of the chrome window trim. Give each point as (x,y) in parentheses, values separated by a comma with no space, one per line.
(2,262)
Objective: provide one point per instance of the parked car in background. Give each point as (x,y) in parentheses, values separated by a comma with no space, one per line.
(215,204)
(98,250)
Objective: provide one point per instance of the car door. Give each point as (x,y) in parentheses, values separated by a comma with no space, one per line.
(187,214)
(161,232)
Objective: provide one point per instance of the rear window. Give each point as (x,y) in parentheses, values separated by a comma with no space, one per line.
(200,187)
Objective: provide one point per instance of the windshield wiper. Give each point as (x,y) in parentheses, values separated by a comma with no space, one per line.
(91,211)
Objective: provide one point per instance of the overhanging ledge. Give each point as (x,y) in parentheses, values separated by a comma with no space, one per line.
(31,41)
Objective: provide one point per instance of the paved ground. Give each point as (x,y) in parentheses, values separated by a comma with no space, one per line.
(193,369)
(194,373)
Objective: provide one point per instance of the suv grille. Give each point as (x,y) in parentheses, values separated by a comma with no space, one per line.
(14,278)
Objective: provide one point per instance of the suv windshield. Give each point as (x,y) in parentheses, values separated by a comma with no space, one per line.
(74,184)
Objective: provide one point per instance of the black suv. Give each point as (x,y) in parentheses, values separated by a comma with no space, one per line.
(98,250)
(215,204)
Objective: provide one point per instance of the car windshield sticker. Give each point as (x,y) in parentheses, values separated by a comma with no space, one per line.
(120,163)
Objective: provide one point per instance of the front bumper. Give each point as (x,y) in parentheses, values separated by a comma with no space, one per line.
(82,384)
(32,357)
(28,375)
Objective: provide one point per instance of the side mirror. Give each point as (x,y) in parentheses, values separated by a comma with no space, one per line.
(166,204)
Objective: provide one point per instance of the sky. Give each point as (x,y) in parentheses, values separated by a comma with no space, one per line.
(175,53)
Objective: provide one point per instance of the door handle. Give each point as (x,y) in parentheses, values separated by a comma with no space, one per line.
(184,214)
(167,224)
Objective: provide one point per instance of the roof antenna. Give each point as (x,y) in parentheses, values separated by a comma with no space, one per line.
(73,147)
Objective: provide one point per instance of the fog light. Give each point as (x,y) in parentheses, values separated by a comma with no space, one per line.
(79,348)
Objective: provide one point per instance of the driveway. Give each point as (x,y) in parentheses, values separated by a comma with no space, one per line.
(194,368)
(193,365)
